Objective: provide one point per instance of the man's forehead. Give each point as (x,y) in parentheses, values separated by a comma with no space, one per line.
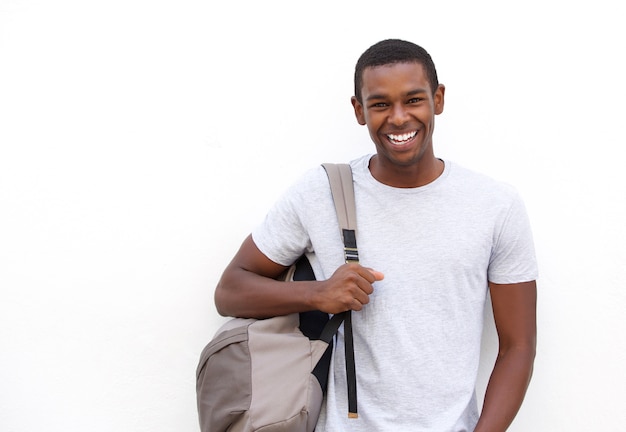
(413,74)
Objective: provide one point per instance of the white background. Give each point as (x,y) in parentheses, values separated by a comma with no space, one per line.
(141,141)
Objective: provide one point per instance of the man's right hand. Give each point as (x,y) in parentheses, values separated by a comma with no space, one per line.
(348,288)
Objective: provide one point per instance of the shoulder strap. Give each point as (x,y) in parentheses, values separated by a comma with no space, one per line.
(341,186)
(342,189)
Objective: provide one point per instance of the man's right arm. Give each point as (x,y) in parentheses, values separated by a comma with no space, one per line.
(248,288)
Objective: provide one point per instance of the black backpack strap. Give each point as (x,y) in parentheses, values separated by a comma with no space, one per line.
(342,189)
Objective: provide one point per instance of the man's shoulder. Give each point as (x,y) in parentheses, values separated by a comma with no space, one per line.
(479,183)
(315,177)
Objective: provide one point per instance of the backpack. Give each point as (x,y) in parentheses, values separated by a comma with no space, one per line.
(270,374)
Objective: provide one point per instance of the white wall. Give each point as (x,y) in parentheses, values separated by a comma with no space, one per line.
(140,141)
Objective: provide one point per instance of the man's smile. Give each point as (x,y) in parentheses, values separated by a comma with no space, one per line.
(402,138)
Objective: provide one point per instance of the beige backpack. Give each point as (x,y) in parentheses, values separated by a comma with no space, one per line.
(270,375)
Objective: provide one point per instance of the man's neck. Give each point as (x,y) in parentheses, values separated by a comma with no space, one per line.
(411,176)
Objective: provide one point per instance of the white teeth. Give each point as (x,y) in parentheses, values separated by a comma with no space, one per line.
(403,137)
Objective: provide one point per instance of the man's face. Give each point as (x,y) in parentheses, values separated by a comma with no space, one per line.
(399,110)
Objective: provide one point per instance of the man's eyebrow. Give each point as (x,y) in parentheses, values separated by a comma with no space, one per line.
(416,91)
(409,93)
(375,96)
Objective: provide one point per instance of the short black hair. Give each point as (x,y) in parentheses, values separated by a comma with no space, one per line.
(391,51)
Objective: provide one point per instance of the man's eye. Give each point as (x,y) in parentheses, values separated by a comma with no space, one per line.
(379,105)
(415,100)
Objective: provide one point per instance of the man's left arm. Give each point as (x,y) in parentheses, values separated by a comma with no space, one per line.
(514,310)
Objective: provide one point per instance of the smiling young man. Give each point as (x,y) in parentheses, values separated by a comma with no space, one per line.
(434,239)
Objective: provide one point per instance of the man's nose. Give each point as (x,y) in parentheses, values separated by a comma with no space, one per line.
(399,115)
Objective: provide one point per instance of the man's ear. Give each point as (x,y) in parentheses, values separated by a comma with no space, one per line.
(439,98)
(358,111)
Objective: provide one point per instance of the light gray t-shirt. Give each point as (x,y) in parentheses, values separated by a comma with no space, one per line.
(417,343)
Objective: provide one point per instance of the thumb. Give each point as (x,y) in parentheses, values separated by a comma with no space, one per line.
(377,275)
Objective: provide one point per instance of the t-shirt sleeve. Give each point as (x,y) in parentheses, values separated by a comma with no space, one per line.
(282,235)
(513,257)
